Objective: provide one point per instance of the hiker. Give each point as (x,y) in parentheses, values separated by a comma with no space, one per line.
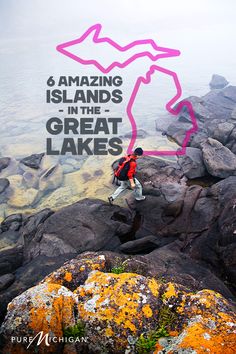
(125,173)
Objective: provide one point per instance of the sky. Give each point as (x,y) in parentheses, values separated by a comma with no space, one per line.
(203,31)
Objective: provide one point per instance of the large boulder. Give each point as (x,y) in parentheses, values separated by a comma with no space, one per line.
(118,312)
(192,163)
(86,225)
(218,82)
(218,159)
(53,303)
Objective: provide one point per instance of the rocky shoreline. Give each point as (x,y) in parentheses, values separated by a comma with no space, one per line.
(184,233)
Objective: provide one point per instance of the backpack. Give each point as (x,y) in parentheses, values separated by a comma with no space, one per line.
(122,169)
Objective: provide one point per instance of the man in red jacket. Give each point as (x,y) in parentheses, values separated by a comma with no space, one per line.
(130,180)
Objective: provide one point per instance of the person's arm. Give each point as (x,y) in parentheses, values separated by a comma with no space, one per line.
(131,173)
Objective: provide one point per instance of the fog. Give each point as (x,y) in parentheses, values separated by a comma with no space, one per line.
(202,30)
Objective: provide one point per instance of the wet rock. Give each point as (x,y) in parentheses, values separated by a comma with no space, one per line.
(30,180)
(4,162)
(6,280)
(192,163)
(33,161)
(51,179)
(218,159)
(10,167)
(4,183)
(16,181)
(22,198)
(67,168)
(218,82)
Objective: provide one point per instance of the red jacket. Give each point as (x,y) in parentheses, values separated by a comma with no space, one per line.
(132,168)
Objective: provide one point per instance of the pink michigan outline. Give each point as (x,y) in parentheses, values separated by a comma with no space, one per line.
(167,53)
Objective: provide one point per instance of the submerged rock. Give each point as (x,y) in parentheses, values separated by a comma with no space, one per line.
(4,162)
(51,179)
(4,183)
(33,161)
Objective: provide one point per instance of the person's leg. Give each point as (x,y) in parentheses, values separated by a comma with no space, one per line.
(138,192)
(123,186)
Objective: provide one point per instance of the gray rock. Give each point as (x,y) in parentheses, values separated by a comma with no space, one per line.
(12,222)
(173,191)
(142,245)
(218,82)
(4,183)
(33,161)
(30,180)
(6,280)
(86,225)
(221,131)
(177,131)
(218,159)
(4,162)
(11,258)
(192,163)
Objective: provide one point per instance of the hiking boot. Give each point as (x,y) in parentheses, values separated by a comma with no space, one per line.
(140,198)
(110,200)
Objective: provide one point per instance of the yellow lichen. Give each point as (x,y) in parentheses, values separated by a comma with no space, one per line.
(153,286)
(170,291)
(147,311)
(109,332)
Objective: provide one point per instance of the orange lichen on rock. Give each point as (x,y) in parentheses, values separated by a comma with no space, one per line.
(74,272)
(116,309)
(44,308)
(203,339)
(207,324)
(124,301)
